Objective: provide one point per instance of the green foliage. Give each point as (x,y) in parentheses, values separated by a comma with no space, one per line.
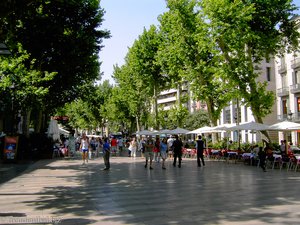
(196,120)
(22,82)
(64,37)
(246,32)
(188,54)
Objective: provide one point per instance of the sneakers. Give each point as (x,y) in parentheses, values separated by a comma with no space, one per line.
(163,168)
(105,169)
(151,168)
(145,165)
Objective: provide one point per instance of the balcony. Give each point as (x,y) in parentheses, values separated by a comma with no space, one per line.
(296,117)
(282,91)
(282,117)
(295,63)
(167,100)
(282,68)
(295,88)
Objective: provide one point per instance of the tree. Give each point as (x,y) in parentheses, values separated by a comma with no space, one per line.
(64,37)
(22,86)
(142,60)
(246,32)
(187,54)
(133,91)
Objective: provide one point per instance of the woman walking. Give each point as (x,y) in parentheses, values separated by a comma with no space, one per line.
(163,152)
(133,147)
(156,150)
(84,148)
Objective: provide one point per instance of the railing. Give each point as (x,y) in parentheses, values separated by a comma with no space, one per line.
(282,68)
(282,91)
(295,88)
(295,63)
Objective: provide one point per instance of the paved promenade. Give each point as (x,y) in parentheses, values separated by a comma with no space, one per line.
(68,193)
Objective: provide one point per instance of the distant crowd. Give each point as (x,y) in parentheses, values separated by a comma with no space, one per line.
(155,149)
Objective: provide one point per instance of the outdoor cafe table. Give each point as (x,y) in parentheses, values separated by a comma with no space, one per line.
(232,155)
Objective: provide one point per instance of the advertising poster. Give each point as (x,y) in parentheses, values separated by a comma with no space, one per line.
(10,148)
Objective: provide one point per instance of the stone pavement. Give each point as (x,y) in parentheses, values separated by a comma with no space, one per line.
(68,193)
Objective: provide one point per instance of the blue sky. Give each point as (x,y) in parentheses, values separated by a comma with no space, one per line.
(126,20)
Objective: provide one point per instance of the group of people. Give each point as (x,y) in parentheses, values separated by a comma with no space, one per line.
(151,149)
(267,153)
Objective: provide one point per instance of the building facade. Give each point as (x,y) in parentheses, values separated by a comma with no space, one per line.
(238,113)
(287,71)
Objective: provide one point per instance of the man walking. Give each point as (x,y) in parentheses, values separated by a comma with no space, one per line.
(177,150)
(200,149)
(149,146)
(106,154)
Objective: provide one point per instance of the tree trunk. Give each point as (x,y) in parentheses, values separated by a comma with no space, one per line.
(26,122)
(38,122)
(155,109)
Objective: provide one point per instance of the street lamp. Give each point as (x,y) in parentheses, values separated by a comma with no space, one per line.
(290,115)
(12,88)
(166,120)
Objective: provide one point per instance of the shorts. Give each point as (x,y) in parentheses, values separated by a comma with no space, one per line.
(84,150)
(148,155)
(163,155)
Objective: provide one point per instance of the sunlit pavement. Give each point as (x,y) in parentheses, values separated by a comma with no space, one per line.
(65,192)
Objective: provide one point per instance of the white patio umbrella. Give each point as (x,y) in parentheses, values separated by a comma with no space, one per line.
(179,130)
(223,127)
(200,130)
(164,131)
(146,132)
(285,126)
(53,130)
(249,126)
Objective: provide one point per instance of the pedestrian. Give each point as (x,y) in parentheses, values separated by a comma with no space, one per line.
(84,148)
(156,150)
(262,158)
(149,145)
(163,151)
(177,151)
(142,146)
(113,145)
(106,154)
(133,147)
(200,149)
(170,144)
(120,145)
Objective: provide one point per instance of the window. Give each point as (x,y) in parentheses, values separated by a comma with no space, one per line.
(284,107)
(298,104)
(246,114)
(297,77)
(227,116)
(268,73)
(284,81)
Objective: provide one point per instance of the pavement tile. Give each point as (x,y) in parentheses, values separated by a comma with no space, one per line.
(65,192)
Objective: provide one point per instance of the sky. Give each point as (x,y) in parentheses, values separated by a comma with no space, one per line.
(126,19)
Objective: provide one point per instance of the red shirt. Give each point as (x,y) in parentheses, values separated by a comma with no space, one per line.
(113,142)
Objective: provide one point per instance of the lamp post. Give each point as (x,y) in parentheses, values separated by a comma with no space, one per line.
(12,88)
(290,116)
(289,137)
(165,121)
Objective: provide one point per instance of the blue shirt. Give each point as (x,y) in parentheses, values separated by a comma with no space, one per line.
(163,147)
(106,147)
